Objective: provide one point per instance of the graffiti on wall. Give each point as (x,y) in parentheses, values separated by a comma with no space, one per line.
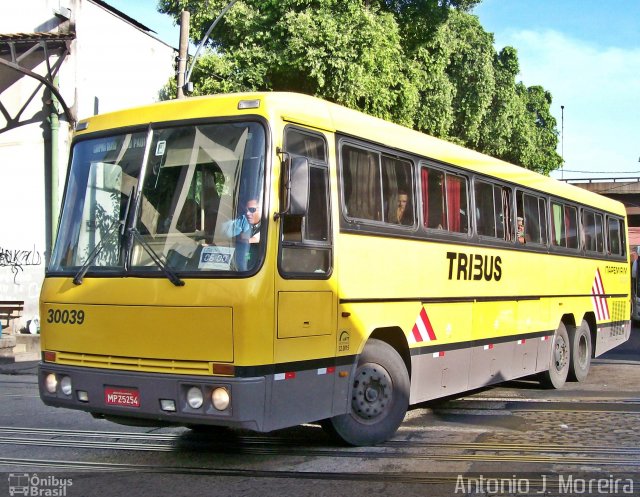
(16,260)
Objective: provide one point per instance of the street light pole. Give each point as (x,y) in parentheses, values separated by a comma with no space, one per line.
(187,87)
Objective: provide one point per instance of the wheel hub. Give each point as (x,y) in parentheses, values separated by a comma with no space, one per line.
(372,391)
(560,354)
(582,356)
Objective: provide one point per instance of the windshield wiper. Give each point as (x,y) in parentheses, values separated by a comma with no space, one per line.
(173,277)
(77,279)
(120,224)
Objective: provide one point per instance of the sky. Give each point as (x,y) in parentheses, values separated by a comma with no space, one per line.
(586,53)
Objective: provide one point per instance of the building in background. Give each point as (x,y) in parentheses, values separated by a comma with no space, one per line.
(60,61)
(625,190)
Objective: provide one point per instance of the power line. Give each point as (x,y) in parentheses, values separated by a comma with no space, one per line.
(601,172)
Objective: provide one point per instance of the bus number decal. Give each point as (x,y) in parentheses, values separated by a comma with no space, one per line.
(65,317)
(474,266)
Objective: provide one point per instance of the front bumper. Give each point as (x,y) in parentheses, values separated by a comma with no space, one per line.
(246,409)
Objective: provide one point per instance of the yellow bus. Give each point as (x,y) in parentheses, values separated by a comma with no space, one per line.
(264,260)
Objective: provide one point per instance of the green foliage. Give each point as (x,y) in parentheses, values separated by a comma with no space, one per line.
(426,64)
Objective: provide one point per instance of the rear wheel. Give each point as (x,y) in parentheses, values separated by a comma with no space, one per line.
(559,360)
(379,400)
(580,352)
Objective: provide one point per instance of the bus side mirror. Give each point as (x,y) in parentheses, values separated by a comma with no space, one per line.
(295,186)
(299,187)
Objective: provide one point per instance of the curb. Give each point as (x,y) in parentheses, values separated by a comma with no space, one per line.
(19,368)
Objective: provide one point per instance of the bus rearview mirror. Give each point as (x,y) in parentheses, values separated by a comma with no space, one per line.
(298,190)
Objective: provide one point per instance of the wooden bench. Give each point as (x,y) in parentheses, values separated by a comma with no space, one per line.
(10,309)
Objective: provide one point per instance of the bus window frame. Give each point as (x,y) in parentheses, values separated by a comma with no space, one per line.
(545,213)
(441,233)
(583,237)
(559,248)
(622,228)
(371,226)
(305,243)
(495,241)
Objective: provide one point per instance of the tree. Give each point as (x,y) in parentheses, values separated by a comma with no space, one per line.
(426,64)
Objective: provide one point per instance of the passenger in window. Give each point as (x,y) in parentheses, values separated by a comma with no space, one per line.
(520,231)
(404,212)
(246,231)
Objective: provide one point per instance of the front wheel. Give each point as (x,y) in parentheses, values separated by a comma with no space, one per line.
(556,375)
(580,352)
(379,397)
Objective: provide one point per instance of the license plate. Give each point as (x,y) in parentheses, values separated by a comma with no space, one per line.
(121,396)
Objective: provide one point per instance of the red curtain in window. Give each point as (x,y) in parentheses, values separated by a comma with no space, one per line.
(453,202)
(425,195)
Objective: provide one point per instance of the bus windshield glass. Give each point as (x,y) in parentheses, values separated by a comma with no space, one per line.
(188,198)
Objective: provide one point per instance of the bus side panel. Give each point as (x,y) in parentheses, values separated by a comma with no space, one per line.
(438,374)
(533,317)
(439,366)
(299,397)
(544,352)
(615,332)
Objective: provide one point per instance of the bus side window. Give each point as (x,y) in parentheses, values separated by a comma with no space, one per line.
(457,204)
(588,231)
(564,225)
(306,240)
(599,233)
(361,183)
(493,210)
(433,198)
(397,188)
(557,225)
(532,210)
(542,209)
(486,209)
(507,208)
(592,228)
(571,222)
(445,200)
(614,235)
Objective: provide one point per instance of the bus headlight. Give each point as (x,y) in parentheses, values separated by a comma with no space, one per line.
(65,385)
(51,383)
(220,398)
(194,398)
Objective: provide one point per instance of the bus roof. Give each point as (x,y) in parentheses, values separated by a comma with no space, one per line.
(318,113)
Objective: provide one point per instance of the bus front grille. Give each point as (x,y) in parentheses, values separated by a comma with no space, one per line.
(135,363)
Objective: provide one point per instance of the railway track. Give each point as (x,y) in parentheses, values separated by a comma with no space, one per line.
(281,446)
(304,454)
(537,480)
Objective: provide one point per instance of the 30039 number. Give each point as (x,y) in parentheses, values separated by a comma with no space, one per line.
(65,317)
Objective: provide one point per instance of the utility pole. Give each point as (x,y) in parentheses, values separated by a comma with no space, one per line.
(183,51)
(562,138)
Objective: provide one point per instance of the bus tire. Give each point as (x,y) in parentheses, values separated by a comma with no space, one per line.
(559,359)
(580,340)
(379,400)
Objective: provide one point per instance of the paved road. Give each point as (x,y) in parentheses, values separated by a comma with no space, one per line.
(515,439)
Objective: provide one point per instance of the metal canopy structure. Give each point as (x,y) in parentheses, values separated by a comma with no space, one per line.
(19,49)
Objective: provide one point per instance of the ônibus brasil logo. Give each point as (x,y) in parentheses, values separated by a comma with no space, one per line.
(34,485)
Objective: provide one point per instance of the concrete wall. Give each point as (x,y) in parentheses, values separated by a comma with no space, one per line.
(113,64)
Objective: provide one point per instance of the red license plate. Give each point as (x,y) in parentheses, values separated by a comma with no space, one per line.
(121,396)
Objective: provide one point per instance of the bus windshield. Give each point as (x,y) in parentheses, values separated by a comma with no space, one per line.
(188,198)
